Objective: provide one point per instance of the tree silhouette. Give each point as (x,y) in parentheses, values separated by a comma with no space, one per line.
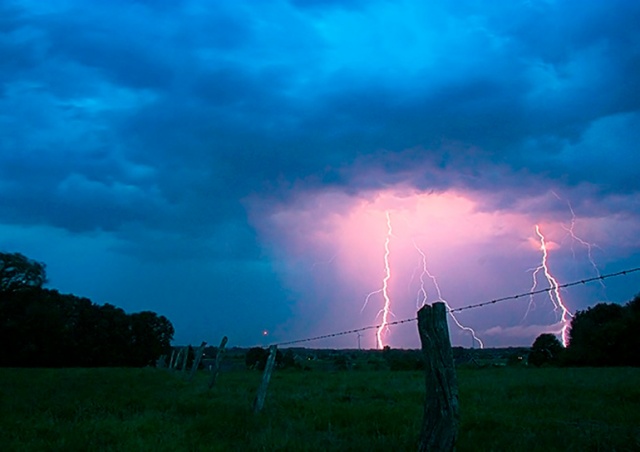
(546,349)
(19,272)
(151,336)
(596,336)
(606,335)
(43,328)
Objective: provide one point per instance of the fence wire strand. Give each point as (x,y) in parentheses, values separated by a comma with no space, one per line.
(464,308)
(548,289)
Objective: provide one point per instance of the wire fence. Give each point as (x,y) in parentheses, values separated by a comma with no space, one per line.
(464,308)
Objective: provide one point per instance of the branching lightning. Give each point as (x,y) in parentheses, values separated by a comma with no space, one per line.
(386,308)
(589,246)
(422,295)
(554,294)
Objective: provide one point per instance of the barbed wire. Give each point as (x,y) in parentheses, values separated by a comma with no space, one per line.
(343,333)
(464,308)
(548,289)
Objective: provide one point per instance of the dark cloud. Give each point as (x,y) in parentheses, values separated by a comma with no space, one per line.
(235,125)
(162,123)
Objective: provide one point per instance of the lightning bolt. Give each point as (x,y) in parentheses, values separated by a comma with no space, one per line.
(589,246)
(554,293)
(386,308)
(422,295)
(575,238)
(421,298)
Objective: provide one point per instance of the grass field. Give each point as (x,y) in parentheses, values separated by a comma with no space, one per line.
(153,409)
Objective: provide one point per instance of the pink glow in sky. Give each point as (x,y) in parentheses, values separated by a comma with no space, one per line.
(330,248)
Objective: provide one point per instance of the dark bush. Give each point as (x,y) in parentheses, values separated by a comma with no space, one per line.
(546,350)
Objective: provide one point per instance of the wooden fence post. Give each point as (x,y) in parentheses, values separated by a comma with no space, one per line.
(178,358)
(197,357)
(266,376)
(441,408)
(216,366)
(173,355)
(185,358)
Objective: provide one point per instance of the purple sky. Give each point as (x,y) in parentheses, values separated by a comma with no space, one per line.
(231,165)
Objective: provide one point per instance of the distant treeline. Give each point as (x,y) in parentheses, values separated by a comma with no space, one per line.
(43,328)
(603,335)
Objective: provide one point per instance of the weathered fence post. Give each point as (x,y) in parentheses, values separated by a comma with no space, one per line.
(266,376)
(180,359)
(185,358)
(197,357)
(441,409)
(173,355)
(216,366)
(177,359)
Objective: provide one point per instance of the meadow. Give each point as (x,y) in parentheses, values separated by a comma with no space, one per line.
(117,409)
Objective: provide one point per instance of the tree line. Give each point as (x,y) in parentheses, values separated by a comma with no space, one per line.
(43,328)
(603,335)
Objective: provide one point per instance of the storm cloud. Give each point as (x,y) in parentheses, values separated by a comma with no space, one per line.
(149,151)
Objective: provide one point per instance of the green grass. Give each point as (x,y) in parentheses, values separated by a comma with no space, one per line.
(149,409)
(550,409)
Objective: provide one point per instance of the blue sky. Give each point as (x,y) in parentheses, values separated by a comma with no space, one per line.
(229,164)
